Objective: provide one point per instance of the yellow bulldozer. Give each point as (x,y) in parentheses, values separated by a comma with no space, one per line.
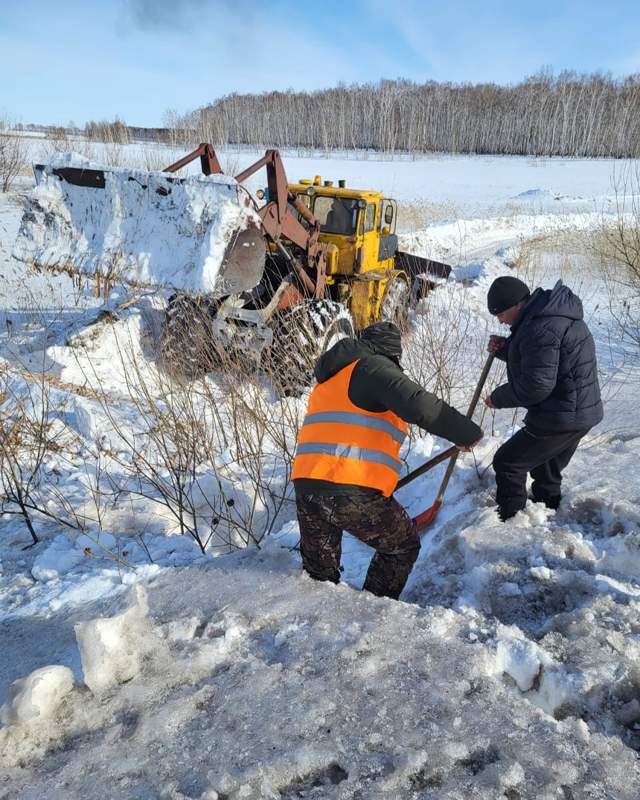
(280,276)
(365,270)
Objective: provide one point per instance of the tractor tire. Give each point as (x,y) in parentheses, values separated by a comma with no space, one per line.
(301,335)
(188,344)
(395,303)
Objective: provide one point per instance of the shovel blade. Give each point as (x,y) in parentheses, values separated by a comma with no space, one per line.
(424,520)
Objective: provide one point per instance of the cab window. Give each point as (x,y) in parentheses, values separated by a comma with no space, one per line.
(336,214)
(387,224)
(367,220)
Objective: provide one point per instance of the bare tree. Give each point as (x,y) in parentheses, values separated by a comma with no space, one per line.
(13,154)
(568,114)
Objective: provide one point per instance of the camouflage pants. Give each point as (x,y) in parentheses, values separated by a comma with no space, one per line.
(378,521)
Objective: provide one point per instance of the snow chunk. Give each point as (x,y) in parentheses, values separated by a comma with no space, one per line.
(541,573)
(533,670)
(519,658)
(59,558)
(37,696)
(112,648)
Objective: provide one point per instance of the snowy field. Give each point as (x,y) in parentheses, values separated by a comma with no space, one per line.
(133,665)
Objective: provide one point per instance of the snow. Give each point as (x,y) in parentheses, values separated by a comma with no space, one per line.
(30,700)
(179,240)
(508,669)
(111,649)
(65,552)
(302,685)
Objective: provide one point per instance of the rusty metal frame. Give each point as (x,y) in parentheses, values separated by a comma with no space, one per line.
(208,160)
(277,220)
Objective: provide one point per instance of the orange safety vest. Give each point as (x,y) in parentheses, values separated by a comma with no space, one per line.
(342,443)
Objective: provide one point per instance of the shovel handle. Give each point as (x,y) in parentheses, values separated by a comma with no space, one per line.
(432,462)
(481,382)
(472,407)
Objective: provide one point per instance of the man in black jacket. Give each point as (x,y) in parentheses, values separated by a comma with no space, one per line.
(325,508)
(552,372)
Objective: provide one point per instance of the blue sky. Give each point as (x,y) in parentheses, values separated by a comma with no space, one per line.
(63,60)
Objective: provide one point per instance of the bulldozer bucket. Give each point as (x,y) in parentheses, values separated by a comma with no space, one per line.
(195,233)
(416,265)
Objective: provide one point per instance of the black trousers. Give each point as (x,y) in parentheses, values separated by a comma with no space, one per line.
(544,456)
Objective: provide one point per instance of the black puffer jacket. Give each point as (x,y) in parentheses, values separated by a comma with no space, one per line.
(551,365)
(378,384)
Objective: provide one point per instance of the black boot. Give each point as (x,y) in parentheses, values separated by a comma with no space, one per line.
(505,513)
(550,501)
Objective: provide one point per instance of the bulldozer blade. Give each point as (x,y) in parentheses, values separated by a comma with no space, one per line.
(416,265)
(194,233)
(242,265)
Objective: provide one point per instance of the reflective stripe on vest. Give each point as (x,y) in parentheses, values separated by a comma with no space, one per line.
(351,418)
(347,451)
(344,444)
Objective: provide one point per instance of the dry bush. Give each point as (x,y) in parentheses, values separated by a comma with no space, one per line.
(446,346)
(153,160)
(214,453)
(444,333)
(616,245)
(253,450)
(115,132)
(105,142)
(49,476)
(13,154)
(24,444)
(57,141)
(32,450)
(543,259)
(180,136)
(566,255)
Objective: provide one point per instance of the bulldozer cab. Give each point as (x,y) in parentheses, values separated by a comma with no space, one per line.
(359,222)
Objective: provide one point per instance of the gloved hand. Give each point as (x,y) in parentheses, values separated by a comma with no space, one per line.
(496,343)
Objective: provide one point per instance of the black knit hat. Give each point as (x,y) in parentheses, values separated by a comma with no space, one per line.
(384,338)
(505,292)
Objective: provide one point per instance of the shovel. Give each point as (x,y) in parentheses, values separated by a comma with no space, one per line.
(422,521)
(432,462)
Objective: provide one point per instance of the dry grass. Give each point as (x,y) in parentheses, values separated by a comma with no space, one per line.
(415,215)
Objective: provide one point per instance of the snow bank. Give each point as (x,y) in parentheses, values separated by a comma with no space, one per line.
(271,685)
(147,228)
(38,696)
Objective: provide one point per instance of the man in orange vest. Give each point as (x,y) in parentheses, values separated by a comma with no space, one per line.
(347,460)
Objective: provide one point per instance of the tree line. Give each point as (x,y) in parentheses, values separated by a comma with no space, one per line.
(544,115)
